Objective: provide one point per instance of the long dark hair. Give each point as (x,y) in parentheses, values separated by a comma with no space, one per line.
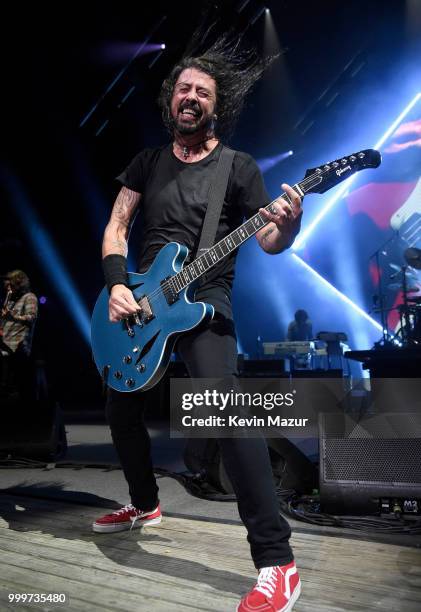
(19,282)
(234,72)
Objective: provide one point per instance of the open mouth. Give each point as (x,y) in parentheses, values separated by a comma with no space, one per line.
(189,113)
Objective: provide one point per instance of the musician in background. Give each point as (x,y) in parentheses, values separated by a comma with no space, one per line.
(301,328)
(169,186)
(18,317)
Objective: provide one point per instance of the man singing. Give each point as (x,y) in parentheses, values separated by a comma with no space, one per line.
(200,100)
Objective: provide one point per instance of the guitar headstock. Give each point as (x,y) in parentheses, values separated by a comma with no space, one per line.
(319,180)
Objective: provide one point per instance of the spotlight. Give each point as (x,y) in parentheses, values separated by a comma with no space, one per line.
(43,299)
(338,293)
(267,11)
(163,46)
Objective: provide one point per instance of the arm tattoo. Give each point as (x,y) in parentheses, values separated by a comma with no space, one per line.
(119,247)
(125,205)
(267,234)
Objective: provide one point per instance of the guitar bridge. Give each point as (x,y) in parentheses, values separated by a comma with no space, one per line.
(146,313)
(169,291)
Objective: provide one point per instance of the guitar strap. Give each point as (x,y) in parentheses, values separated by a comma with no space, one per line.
(217,190)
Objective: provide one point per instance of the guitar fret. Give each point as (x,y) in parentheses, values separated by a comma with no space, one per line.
(249,228)
(297,188)
(208,265)
(242,231)
(176,281)
(223,243)
(230,242)
(220,248)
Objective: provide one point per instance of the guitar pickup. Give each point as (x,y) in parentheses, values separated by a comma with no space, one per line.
(146,314)
(169,291)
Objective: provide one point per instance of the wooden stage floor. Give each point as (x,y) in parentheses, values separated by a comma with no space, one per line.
(184,564)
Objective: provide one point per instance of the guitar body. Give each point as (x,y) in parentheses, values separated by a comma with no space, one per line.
(130,355)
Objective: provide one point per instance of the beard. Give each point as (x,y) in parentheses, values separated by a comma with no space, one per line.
(191,128)
(200,123)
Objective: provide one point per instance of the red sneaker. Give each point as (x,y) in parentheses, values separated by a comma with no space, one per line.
(277,589)
(127,518)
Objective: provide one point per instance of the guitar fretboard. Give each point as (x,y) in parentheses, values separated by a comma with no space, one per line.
(329,175)
(210,258)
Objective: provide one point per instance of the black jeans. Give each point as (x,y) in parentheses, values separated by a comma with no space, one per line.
(209,352)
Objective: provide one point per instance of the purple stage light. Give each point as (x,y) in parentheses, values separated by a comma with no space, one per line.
(43,299)
(123,51)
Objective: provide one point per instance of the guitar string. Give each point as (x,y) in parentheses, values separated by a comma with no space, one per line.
(170,283)
(156,293)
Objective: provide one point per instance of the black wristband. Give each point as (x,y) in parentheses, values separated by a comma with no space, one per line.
(115,270)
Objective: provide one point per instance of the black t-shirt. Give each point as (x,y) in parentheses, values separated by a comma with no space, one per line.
(173,207)
(300,331)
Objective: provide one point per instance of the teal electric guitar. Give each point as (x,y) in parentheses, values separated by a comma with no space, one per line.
(133,354)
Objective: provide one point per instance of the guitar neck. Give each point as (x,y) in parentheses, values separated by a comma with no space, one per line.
(210,258)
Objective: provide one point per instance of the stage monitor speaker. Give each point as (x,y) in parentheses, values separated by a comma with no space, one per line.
(363,463)
(32,429)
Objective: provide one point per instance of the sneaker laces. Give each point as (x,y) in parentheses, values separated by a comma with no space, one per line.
(129,508)
(266,581)
(125,508)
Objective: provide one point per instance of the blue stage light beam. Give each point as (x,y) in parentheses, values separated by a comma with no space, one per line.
(266,163)
(338,293)
(122,72)
(47,254)
(257,15)
(122,51)
(397,121)
(301,239)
